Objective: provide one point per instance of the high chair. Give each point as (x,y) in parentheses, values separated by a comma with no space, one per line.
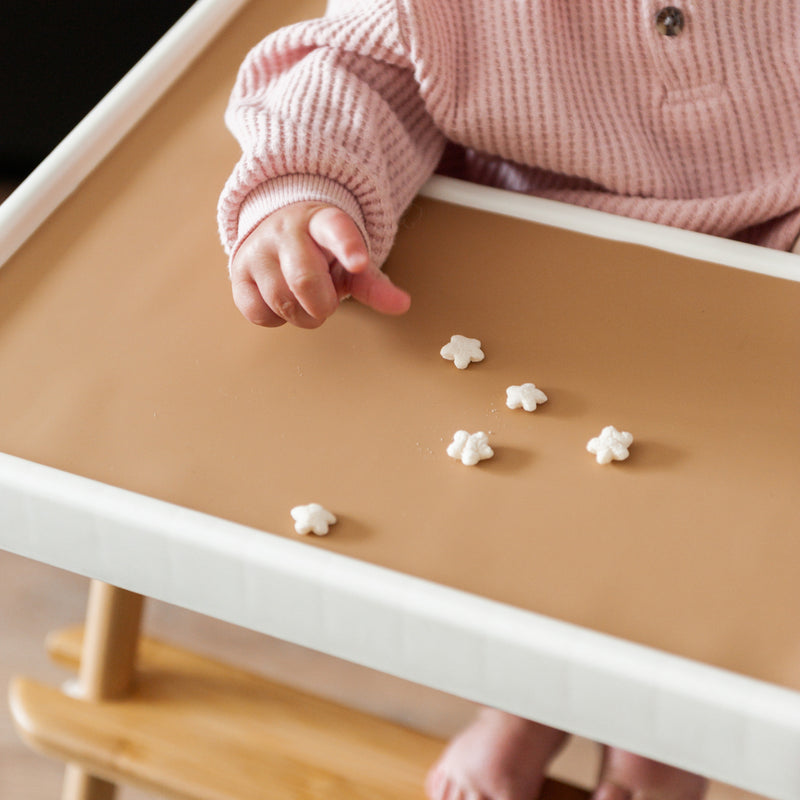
(155,442)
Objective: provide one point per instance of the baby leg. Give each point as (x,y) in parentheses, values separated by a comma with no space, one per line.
(625,776)
(498,757)
(503,757)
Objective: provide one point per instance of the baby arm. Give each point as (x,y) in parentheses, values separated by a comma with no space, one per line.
(300,261)
(328,113)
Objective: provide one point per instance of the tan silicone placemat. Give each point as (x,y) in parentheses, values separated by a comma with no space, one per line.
(123,359)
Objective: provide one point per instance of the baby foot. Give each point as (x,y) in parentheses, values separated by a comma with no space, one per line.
(498,757)
(625,776)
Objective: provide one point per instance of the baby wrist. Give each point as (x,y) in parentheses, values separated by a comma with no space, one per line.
(288,189)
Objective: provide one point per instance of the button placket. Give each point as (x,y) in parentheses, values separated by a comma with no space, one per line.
(676,36)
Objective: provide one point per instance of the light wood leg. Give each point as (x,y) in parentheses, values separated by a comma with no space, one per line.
(107,670)
(79,785)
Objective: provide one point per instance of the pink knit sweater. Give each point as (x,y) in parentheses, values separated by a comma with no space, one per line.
(586,102)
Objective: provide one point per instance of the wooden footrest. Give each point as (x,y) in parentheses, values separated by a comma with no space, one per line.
(196,728)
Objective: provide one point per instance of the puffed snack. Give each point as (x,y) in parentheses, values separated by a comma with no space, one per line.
(526,396)
(610,445)
(312,518)
(462,351)
(470,448)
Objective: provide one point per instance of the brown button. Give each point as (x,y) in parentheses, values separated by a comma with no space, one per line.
(670,21)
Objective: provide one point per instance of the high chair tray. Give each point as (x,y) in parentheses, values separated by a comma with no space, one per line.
(153,439)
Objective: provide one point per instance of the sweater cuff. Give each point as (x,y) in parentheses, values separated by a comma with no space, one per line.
(287,189)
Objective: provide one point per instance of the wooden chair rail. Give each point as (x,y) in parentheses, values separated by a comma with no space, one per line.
(196,729)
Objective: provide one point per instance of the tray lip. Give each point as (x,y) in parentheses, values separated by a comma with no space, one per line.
(730,727)
(603,225)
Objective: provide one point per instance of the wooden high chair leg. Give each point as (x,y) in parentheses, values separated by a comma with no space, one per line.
(108,663)
(79,785)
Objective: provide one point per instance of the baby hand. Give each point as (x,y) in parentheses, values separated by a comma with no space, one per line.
(300,261)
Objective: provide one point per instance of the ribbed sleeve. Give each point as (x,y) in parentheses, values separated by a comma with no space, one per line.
(330,110)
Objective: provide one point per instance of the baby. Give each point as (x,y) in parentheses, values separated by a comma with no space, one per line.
(686,116)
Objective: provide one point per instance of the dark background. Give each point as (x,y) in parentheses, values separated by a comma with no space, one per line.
(57,60)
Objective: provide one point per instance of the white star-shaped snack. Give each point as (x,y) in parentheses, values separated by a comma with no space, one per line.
(312,518)
(526,396)
(470,447)
(462,351)
(610,445)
